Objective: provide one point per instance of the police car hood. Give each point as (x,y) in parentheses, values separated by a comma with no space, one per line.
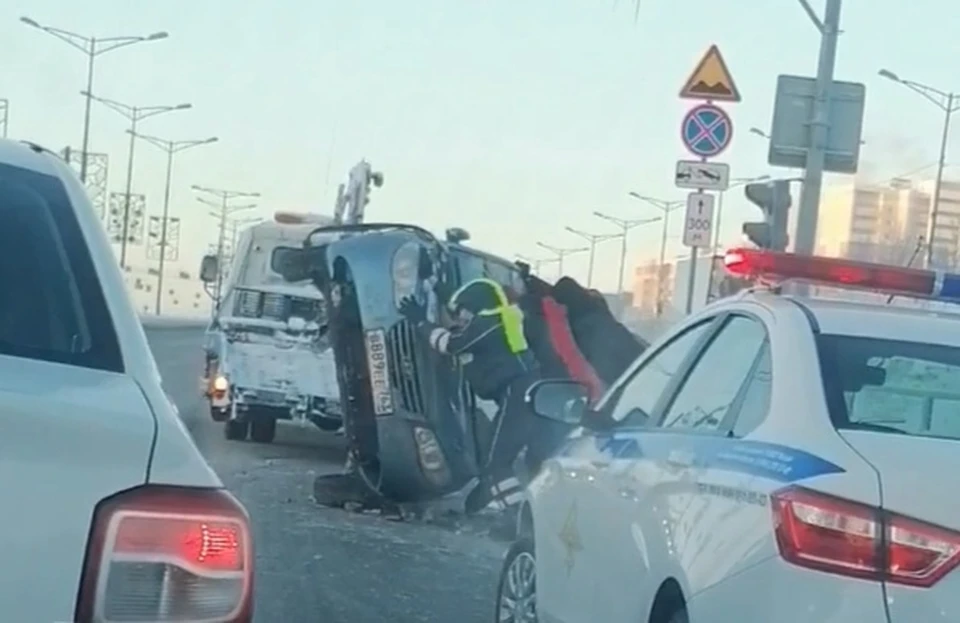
(916,473)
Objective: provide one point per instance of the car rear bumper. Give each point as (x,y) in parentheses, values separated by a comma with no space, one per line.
(777,591)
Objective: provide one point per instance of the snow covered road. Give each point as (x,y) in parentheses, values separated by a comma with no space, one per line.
(318,564)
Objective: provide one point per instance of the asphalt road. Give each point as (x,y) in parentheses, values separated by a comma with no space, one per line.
(316,564)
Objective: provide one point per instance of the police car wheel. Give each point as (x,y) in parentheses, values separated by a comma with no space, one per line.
(517,588)
(236,430)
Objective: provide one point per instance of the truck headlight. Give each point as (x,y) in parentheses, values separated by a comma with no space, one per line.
(405,271)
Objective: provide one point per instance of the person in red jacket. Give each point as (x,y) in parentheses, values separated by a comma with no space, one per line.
(549,332)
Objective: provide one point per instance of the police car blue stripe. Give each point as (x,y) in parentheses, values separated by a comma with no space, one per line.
(753,458)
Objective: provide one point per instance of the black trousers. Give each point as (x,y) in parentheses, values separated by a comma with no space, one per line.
(516,427)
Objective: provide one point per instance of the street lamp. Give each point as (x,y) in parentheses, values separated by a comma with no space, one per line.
(949,103)
(534,263)
(134,114)
(561,253)
(593,239)
(625,226)
(92,47)
(170,148)
(666,207)
(224,211)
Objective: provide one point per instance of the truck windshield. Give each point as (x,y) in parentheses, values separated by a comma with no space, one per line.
(892,386)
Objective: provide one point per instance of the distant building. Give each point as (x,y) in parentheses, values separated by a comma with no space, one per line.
(884,223)
(183,291)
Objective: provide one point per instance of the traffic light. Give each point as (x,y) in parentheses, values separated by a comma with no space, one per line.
(774,199)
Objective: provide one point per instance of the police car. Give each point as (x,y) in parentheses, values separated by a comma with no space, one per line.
(772,459)
(110,513)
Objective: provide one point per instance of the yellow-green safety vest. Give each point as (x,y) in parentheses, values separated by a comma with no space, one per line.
(510,315)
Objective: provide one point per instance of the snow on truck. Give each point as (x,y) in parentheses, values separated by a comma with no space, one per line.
(268,354)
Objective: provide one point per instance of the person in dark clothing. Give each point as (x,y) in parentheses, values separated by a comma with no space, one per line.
(499,365)
(545,318)
(608,345)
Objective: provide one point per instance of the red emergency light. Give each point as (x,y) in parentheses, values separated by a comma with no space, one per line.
(841,273)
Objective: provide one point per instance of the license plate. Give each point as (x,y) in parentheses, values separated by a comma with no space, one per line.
(379,366)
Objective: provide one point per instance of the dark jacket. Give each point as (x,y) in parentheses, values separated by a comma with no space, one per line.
(483,347)
(608,345)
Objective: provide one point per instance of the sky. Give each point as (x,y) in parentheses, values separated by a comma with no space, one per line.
(511,118)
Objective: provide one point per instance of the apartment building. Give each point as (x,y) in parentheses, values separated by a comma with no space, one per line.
(647,280)
(887,222)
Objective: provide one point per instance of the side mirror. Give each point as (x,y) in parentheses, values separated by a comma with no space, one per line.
(209,268)
(558,400)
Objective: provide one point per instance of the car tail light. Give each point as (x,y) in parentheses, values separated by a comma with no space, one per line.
(830,534)
(160,554)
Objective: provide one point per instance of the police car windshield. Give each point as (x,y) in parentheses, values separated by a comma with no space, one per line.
(892,386)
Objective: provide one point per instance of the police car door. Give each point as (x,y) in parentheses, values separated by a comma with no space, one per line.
(619,482)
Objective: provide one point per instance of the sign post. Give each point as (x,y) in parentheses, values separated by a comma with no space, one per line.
(706,131)
(697,233)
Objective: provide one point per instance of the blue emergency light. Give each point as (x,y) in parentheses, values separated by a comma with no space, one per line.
(842,273)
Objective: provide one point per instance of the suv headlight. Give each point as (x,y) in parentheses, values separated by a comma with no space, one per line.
(405,271)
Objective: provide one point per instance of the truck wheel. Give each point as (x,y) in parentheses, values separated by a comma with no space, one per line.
(236,430)
(263,429)
(218,414)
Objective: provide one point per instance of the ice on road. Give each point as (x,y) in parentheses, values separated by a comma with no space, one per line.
(320,564)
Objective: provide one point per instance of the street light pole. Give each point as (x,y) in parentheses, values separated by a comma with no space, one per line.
(170,148)
(949,103)
(92,47)
(625,226)
(593,239)
(535,264)
(561,253)
(225,210)
(666,207)
(134,114)
(809,208)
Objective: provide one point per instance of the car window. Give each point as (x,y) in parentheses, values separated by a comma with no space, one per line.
(640,394)
(756,398)
(470,266)
(716,378)
(892,386)
(51,302)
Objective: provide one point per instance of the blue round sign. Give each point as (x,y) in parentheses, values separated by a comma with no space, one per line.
(706,130)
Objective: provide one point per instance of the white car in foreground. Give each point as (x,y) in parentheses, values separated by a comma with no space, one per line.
(771,460)
(110,513)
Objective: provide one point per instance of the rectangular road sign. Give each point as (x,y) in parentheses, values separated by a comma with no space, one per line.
(699,175)
(698,222)
(790,130)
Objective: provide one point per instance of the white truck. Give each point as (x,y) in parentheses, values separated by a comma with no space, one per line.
(268,357)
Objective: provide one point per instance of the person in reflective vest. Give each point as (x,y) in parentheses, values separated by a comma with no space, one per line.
(489,342)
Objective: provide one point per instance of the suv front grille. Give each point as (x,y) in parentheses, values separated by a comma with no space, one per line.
(404,367)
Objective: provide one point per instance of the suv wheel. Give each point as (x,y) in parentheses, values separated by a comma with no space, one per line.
(517,589)
(263,429)
(236,430)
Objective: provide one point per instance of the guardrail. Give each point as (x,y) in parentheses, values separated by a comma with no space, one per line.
(151,321)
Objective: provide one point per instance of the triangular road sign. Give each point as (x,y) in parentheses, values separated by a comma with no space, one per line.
(711,80)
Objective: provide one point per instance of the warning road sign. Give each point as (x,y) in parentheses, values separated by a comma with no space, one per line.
(711,80)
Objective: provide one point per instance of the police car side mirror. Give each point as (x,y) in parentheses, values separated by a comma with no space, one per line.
(558,400)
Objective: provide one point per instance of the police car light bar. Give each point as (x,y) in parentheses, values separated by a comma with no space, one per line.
(843,273)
